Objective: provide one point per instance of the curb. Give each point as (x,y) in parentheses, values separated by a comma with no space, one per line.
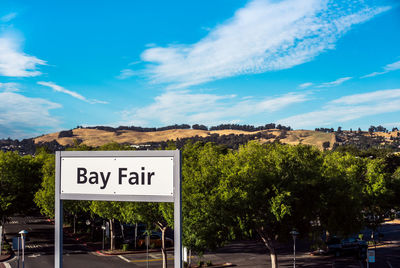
(5,258)
(99,252)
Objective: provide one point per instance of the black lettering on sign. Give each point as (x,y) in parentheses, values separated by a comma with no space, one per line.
(149,174)
(143,173)
(120,175)
(94,178)
(134,179)
(81,175)
(104,179)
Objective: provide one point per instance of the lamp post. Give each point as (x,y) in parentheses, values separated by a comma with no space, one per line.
(23,235)
(103,227)
(294,234)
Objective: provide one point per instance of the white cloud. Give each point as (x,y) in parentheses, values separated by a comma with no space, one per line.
(61,89)
(186,107)
(388,68)
(74,94)
(15,63)
(126,73)
(8,17)
(9,87)
(380,95)
(348,108)
(373,74)
(336,82)
(392,66)
(305,85)
(94,101)
(264,35)
(22,117)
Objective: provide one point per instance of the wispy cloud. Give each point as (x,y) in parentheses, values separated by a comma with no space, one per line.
(61,89)
(14,62)
(187,107)
(376,96)
(373,74)
(393,66)
(9,87)
(348,108)
(305,85)
(264,35)
(388,68)
(74,94)
(126,73)
(21,116)
(8,17)
(335,83)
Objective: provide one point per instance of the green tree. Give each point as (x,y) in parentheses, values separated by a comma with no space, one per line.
(394,184)
(377,195)
(271,189)
(44,197)
(341,196)
(19,180)
(205,224)
(110,211)
(154,214)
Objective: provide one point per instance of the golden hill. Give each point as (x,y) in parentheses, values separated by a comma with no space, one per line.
(96,137)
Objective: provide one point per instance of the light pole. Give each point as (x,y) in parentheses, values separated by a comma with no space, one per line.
(294,234)
(23,235)
(103,227)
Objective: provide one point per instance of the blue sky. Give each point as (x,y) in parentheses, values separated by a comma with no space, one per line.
(303,63)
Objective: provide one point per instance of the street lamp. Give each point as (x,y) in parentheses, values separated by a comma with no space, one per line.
(294,234)
(103,227)
(23,235)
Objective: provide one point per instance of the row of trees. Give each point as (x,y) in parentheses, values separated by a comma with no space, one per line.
(20,178)
(254,191)
(195,126)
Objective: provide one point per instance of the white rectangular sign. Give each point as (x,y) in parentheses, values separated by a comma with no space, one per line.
(115,175)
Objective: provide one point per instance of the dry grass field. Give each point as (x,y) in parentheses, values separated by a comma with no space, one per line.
(95,137)
(309,137)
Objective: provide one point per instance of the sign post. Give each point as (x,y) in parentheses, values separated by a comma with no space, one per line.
(1,238)
(132,176)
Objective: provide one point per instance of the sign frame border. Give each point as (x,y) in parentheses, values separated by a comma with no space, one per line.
(176,198)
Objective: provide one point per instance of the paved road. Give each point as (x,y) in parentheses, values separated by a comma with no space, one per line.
(40,247)
(40,252)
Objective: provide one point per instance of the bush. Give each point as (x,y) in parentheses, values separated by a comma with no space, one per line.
(125,247)
(65,133)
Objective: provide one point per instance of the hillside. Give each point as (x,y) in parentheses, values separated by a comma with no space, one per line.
(97,137)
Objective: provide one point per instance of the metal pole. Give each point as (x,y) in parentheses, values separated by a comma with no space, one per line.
(18,251)
(23,251)
(1,237)
(103,238)
(58,224)
(147,245)
(294,251)
(135,235)
(177,211)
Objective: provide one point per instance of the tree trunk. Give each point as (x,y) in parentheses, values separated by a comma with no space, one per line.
(274,258)
(269,245)
(190,258)
(75,223)
(112,236)
(163,249)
